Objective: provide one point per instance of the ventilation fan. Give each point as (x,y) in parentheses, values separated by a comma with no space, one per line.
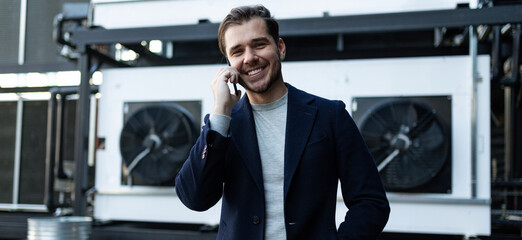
(156,140)
(409,140)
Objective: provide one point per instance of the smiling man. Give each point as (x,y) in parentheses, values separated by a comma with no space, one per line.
(276,155)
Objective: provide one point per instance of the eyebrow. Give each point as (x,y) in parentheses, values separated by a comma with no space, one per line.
(259,39)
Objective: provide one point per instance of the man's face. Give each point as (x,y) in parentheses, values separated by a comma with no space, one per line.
(253,52)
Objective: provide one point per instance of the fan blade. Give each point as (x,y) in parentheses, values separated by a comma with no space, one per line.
(424,121)
(380,121)
(164,119)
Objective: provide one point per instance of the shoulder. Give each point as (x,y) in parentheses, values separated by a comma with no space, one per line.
(311,99)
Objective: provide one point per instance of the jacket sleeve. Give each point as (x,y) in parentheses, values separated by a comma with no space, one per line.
(361,185)
(199,183)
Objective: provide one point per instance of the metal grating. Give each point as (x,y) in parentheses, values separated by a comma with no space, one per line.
(7,149)
(9,31)
(32,166)
(40,46)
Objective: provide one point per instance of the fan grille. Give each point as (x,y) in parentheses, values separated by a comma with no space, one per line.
(409,141)
(156,140)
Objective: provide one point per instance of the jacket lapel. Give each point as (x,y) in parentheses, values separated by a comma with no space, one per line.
(300,119)
(243,134)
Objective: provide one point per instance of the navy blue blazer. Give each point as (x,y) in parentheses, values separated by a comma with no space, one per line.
(323,147)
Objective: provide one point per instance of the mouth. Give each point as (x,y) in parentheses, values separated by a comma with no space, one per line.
(254,71)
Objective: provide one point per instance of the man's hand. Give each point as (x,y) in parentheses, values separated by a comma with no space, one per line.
(224,100)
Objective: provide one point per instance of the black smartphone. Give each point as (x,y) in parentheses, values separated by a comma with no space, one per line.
(233,84)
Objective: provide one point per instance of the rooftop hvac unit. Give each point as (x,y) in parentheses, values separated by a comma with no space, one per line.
(414,113)
(426,122)
(149,119)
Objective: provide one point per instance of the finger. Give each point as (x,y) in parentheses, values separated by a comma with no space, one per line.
(233,78)
(226,75)
(234,70)
(223,73)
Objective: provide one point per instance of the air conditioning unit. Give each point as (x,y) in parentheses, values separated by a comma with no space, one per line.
(148,120)
(428,130)
(425,120)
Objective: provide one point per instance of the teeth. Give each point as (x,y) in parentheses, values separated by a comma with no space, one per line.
(254,71)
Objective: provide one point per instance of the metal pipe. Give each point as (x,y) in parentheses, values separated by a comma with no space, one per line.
(496,64)
(92,131)
(60,173)
(473,49)
(508,130)
(21,34)
(18,150)
(82,135)
(510,107)
(515,96)
(50,153)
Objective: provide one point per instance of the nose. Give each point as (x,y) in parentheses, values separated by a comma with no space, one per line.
(250,56)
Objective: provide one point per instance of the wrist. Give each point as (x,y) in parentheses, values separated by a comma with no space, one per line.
(223,110)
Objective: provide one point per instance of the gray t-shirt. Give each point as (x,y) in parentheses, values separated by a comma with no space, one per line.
(270,121)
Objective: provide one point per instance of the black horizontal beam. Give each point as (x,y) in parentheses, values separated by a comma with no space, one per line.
(204,31)
(405,21)
(24,89)
(510,183)
(42,68)
(59,90)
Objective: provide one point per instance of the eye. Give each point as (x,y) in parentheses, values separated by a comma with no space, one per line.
(236,52)
(260,45)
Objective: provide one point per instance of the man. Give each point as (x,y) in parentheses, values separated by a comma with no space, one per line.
(275,156)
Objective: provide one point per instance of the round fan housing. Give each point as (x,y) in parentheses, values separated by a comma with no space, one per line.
(156,140)
(409,141)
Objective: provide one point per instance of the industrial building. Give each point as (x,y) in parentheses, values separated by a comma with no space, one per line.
(83,83)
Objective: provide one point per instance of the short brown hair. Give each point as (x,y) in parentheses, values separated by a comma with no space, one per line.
(239,15)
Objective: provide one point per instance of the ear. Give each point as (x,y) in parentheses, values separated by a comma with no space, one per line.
(281,47)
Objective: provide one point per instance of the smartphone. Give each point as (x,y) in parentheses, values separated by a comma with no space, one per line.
(235,88)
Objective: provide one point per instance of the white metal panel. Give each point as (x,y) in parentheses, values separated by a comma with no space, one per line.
(144,207)
(430,217)
(483,129)
(465,219)
(160,204)
(131,14)
(185,83)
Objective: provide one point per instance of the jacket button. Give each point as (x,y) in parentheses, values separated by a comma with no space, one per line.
(204,155)
(255,220)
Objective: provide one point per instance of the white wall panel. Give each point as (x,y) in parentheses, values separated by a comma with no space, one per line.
(132,14)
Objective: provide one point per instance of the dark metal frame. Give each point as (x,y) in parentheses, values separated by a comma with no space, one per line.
(55,67)
(56,120)
(370,23)
(306,29)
